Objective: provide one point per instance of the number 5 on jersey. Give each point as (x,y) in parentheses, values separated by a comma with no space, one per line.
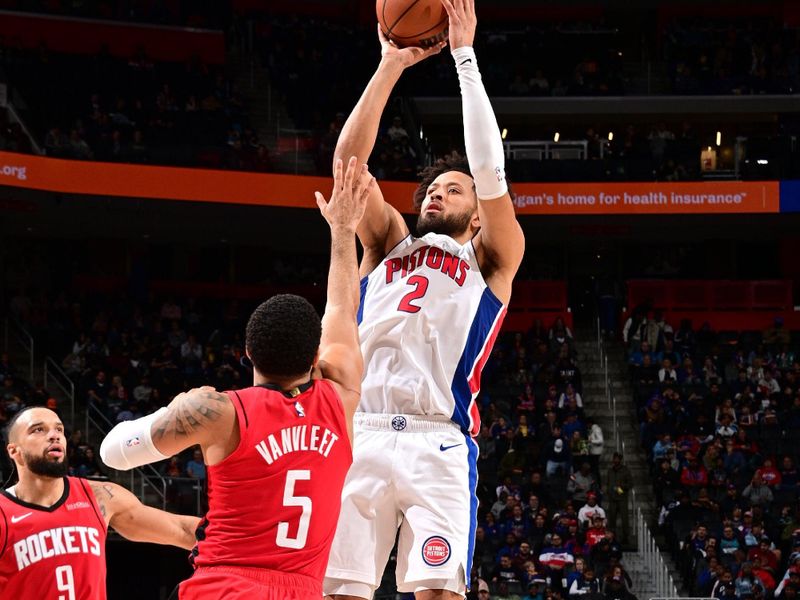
(420,284)
(289,499)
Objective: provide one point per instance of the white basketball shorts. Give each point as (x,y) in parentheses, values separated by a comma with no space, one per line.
(417,474)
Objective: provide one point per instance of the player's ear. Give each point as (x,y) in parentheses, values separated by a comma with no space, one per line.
(316,360)
(475,223)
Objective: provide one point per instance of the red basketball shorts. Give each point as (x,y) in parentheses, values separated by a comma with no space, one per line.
(239,583)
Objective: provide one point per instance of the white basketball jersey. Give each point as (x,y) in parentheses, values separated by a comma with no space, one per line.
(427,323)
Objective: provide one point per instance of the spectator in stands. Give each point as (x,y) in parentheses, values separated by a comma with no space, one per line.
(557,455)
(483,590)
(768,384)
(666,483)
(586,586)
(615,588)
(637,357)
(555,559)
(596,445)
(769,474)
(729,543)
(618,485)
(143,392)
(570,394)
(396,132)
(559,334)
(667,374)
(758,494)
(776,336)
(577,570)
(524,554)
(11,396)
(196,468)
(505,571)
(596,532)
(788,474)
(581,483)
(727,427)
(88,465)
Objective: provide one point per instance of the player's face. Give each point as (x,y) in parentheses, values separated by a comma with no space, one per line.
(450,205)
(39,444)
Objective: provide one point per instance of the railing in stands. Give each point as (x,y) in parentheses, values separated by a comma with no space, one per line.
(176,486)
(148,477)
(653,561)
(550,150)
(54,374)
(611,399)
(14,329)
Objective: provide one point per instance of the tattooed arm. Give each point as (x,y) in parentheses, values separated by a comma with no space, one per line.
(139,523)
(201,416)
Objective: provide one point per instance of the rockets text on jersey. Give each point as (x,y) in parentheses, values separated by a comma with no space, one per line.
(55,552)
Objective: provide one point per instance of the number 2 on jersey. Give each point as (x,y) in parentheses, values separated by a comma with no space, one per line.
(420,284)
(289,499)
(65,582)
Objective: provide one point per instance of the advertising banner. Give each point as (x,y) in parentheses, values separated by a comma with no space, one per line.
(236,187)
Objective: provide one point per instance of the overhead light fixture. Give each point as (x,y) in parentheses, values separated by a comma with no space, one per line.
(610,136)
(719,138)
(505,133)
(556,137)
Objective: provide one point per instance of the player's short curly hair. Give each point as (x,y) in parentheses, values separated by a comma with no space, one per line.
(283,336)
(450,162)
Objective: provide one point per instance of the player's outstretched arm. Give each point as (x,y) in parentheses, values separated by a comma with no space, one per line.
(382,226)
(201,416)
(340,357)
(139,523)
(500,242)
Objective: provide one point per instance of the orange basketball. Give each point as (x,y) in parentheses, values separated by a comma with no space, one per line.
(413,22)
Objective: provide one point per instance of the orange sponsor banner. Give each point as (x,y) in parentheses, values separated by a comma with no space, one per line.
(173,183)
(717,197)
(236,187)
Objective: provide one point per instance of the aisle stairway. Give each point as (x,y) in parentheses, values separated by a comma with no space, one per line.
(622,435)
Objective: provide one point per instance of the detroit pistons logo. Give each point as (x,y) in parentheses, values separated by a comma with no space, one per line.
(436,551)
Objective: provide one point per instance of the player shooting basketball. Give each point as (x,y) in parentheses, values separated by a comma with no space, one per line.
(431,307)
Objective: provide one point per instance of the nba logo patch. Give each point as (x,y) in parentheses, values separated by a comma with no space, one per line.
(134,441)
(436,551)
(299,408)
(399,423)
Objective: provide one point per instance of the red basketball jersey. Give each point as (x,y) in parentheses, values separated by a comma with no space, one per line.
(55,553)
(274,502)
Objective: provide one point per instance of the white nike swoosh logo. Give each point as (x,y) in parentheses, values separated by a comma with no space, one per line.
(18,518)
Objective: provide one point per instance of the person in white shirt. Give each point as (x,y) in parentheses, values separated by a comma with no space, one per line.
(596,444)
(667,372)
(591,509)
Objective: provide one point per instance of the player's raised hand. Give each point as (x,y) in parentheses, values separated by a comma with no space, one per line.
(348,201)
(463,22)
(405,57)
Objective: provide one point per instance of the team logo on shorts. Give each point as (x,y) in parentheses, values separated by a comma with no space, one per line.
(436,551)
(134,441)
(399,423)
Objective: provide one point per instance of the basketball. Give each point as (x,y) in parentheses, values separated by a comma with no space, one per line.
(413,22)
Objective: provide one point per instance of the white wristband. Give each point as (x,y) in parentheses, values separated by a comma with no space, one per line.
(482,139)
(130,444)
